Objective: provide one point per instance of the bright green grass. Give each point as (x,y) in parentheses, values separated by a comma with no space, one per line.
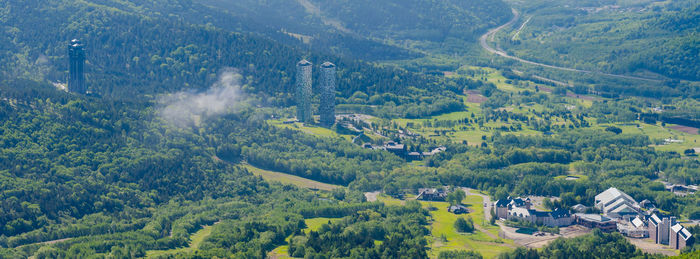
(655,131)
(443,225)
(389,200)
(311,224)
(195,240)
(290,179)
(311,129)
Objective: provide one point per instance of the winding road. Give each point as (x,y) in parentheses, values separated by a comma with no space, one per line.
(483,40)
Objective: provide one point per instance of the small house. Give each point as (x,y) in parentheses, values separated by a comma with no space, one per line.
(457,209)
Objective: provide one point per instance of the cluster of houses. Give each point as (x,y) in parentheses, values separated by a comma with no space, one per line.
(620,212)
(435,194)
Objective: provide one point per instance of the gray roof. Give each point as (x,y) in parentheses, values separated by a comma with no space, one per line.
(624,208)
(637,222)
(682,231)
(685,234)
(304,63)
(593,217)
(654,220)
(579,207)
(612,194)
(327,65)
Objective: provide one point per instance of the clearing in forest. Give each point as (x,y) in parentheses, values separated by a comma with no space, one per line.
(290,179)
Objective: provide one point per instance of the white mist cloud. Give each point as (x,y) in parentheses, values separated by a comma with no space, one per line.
(188,109)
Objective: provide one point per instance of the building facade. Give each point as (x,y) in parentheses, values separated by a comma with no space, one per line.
(303,91)
(327,107)
(668,232)
(596,221)
(76,77)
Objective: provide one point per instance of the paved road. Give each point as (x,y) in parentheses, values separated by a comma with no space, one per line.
(487,201)
(490,34)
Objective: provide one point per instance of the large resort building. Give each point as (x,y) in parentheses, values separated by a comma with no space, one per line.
(520,209)
(616,204)
(620,212)
(303,91)
(76,76)
(327,107)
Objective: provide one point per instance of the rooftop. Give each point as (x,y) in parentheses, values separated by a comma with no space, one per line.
(612,194)
(654,219)
(327,65)
(593,217)
(637,222)
(685,234)
(304,63)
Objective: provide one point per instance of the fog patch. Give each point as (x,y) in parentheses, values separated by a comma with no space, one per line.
(187,109)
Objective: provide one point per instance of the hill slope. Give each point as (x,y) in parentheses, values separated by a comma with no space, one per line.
(642,37)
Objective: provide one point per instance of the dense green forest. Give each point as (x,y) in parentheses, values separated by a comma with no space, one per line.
(138,54)
(110,175)
(624,38)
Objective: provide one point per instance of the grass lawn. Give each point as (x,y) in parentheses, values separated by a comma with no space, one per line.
(195,240)
(442,224)
(290,179)
(655,131)
(311,224)
(310,129)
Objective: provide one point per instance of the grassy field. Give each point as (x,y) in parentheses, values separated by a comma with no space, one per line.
(310,129)
(281,252)
(290,179)
(195,240)
(442,225)
(657,132)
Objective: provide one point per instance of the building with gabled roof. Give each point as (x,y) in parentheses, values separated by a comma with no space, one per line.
(679,237)
(431,194)
(616,204)
(653,226)
(556,218)
(633,228)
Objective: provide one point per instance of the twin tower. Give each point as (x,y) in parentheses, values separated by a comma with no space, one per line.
(303,93)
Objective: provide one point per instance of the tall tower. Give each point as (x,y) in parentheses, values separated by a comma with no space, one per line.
(327,109)
(76,80)
(303,91)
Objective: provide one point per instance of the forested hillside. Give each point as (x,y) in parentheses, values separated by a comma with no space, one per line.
(186,146)
(131,53)
(102,171)
(419,20)
(624,38)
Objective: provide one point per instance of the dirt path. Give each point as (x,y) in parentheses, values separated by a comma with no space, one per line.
(521,28)
(491,33)
(649,247)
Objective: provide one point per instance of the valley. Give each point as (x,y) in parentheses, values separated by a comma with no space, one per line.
(349,129)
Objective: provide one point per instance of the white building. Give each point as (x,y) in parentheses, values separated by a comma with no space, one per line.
(616,204)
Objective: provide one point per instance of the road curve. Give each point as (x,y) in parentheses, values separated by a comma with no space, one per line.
(490,34)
